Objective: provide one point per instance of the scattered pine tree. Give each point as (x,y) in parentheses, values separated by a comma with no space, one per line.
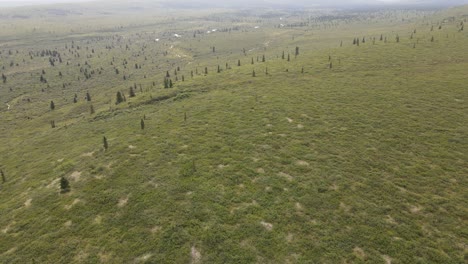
(105,144)
(131,92)
(64,185)
(3,176)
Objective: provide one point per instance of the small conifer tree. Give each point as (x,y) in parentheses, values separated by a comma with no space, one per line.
(64,185)
(119,98)
(131,92)
(105,144)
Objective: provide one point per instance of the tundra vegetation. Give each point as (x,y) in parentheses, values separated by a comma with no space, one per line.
(154,134)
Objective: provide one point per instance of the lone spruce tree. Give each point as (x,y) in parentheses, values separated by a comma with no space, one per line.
(119,98)
(64,185)
(142,124)
(104,141)
(3,176)
(131,92)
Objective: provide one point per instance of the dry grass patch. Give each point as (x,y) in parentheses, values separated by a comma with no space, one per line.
(76,201)
(75,176)
(195,256)
(123,201)
(359,253)
(68,223)
(387,259)
(302,163)
(27,203)
(267,226)
(286,176)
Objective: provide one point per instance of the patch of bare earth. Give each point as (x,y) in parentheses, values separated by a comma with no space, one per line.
(359,253)
(334,187)
(8,227)
(81,256)
(143,258)
(387,259)
(54,183)
(243,206)
(222,166)
(299,207)
(105,257)
(289,120)
(345,207)
(267,226)
(27,203)
(97,220)
(75,176)
(195,256)
(123,201)
(68,223)
(10,251)
(286,176)
(155,229)
(389,219)
(415,209)
(260,171)
(87,154)
(302,163)
(70,206)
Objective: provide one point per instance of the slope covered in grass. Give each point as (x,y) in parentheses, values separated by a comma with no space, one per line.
(361,161)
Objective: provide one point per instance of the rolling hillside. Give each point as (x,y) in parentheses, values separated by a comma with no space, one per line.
(280,140)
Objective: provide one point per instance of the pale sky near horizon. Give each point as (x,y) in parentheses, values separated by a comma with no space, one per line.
(48,1)
(20,2)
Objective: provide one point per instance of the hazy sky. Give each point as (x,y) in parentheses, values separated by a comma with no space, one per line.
(326,2)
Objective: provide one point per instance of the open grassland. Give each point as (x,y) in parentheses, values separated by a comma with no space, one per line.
(343,154)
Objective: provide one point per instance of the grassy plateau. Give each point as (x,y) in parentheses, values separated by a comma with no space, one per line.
(280,141)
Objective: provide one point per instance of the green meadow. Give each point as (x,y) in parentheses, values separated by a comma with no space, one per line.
(343,153)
